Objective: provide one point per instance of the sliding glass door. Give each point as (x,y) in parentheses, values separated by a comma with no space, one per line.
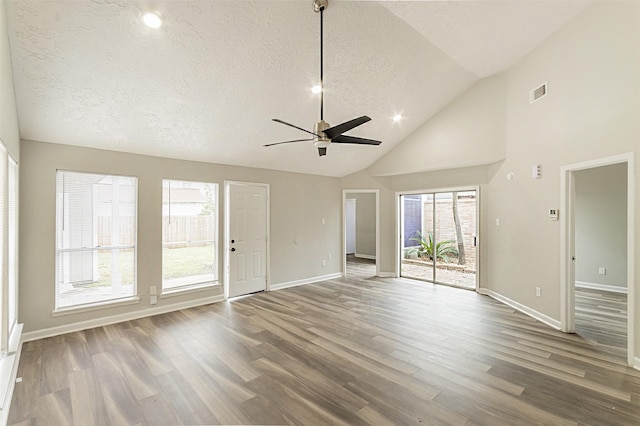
(439,237)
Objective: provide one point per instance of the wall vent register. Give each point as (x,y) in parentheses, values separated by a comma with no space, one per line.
(538,93)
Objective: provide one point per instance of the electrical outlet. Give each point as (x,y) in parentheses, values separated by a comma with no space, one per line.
(153,290)
(497,222)
(324,263)
(602,270)
(153,300)
(330,257)
(536,171)
(538,292)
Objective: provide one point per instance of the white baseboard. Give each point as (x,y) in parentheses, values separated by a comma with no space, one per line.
(366,256)
(636,363)
(304,281)
(387,274)
(8,373)
(112,319)
(602,287)
(551,322)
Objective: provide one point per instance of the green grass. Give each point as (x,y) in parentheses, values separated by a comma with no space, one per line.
(176,262)
(127,268)
(186,261)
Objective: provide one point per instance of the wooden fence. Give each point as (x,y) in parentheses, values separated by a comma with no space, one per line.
(179,229)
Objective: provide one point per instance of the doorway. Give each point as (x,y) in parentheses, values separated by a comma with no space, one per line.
(597,268)
(246,238)
(361,232)
(350,224)
(438,237)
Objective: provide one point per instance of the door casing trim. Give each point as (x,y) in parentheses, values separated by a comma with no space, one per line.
(567,243)
(344,225)
(225,245)
(475,188)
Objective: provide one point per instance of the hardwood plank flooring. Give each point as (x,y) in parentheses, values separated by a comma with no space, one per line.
(351,351)
(601,316)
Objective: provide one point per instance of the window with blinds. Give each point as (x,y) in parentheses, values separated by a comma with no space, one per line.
(12,245)
(189,231)
(4,257)
(96,218)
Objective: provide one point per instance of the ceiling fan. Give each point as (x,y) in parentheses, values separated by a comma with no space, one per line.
(323,133)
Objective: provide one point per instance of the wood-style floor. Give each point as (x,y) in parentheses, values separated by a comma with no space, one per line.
(601,316)
(355,350)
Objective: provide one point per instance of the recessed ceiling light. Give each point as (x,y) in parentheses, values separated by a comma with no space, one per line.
(316,89)
(397,118)
(152,19)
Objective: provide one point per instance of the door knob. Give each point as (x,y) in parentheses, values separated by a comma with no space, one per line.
(233,241)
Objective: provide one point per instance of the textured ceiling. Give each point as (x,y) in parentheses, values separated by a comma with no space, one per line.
(206,85)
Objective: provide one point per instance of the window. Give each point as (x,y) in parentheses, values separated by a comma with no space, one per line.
(12,288)
(8,253)
(95,239)
(189,230)
(4,288)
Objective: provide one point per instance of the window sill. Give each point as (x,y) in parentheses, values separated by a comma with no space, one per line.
(95,306)
(190,289)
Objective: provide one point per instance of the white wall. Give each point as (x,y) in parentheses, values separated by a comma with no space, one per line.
(299,240)
(468,132)
(592,110)
(601,225)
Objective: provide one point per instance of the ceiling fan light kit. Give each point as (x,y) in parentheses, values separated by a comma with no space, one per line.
(323,134)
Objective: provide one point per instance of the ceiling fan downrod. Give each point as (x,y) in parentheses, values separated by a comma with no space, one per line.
(323,134)
(320,6)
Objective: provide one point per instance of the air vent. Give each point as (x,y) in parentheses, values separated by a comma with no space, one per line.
(538,93)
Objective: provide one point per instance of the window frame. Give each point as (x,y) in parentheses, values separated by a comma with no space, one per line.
(13,177)
(60,209)
(200,285)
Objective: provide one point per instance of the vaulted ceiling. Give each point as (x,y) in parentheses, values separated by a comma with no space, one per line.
(206,84)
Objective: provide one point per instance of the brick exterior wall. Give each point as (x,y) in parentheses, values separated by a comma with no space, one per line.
(445,226)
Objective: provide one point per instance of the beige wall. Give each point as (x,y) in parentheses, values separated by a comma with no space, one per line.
(601,225)
(592,111)
(296,215)
(365,222)
(8,113)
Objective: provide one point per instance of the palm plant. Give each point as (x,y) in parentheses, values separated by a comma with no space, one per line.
(430,249)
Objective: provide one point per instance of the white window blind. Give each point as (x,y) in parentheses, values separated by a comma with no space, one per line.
(189,231)
(96,217)
(4,320)
(12,240)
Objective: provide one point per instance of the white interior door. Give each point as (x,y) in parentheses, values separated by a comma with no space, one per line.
(246,238)
(351,226)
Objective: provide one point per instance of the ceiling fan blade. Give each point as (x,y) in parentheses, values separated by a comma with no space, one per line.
(294,126)
(295,140)
(334,131)
(322,151)
(352,139)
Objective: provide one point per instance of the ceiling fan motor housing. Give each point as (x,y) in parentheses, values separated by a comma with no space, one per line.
(318,129)
(319,5)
